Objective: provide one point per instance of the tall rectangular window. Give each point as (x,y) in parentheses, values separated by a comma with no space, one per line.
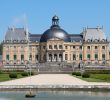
(50,46)
(37,57)
(88,47)
(96,47)
(55,46)
(22,57)
(66,56)
(103,47)
(80,56)
(30,57)
(7,57)
(74,56)
(88,56)
(15,57)
(96,56)
(103,56)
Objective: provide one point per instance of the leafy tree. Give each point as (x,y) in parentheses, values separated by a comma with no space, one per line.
(1,48)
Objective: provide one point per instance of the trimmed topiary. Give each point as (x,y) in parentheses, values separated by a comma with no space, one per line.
(78,74)
(24,74)
(13,75)
(73,73)
(85,75)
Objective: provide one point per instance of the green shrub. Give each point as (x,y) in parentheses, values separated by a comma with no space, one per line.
(85,75)
(24,74)
(73,73)
(13,75)
(78,74)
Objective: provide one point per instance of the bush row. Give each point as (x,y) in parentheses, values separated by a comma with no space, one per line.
(84,75)
(98,71)
(14,75)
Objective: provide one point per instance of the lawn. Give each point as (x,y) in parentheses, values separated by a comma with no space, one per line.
(5,77)
(96,78)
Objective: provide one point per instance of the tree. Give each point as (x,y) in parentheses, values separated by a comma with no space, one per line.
(1,48)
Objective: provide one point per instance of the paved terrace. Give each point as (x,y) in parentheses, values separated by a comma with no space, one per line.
(53,80)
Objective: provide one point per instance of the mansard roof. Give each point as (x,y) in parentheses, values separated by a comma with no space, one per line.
(35,37)
(17,34)
(94,34)
(76,37)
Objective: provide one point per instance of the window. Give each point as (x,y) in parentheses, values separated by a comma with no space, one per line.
(43,47)
(37,57)
(74,56)
(60,47)
(80,47)
(66,47)
(7,57)
(88,47)
(30,57)
(55,46)
(50,46)
(22,57)
(80,56)
(103,47)
(15,57)
(88,56)
(66,56)
(103,56)
(73,47)
(96,56)
(96,47)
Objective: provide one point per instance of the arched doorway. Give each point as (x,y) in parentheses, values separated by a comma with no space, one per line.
(60,57)
(50,57)
(55,57)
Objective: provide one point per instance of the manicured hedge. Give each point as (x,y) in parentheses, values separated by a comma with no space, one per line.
(98,71)
(24,74)
(13,75)
(85,75)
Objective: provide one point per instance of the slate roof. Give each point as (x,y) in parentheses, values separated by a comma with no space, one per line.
(76,37)
(35,37)
(94,33)
(15,34)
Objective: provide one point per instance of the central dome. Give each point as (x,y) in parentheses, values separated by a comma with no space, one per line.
(55,32)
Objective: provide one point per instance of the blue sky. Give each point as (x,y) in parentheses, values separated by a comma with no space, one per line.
(73,14)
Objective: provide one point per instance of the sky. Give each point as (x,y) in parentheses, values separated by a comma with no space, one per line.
(74,15)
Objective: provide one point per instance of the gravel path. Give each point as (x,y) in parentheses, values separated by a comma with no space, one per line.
(53,79)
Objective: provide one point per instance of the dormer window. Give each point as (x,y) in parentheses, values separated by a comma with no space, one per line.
(88,40)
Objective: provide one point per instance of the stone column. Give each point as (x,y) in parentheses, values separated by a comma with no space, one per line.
(52,57)
(63,56)
(47,57)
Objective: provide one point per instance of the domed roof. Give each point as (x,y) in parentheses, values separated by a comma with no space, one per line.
(55,32)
